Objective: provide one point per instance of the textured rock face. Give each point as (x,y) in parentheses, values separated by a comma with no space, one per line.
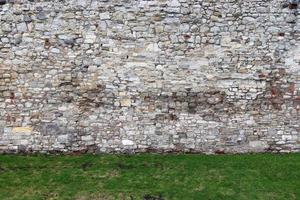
(158,75)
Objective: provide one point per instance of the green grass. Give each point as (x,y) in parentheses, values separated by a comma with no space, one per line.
(150,177)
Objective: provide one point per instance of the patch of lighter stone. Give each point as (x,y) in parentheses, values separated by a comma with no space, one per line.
(174,3)
(127,142)
(292,60)
(153,47)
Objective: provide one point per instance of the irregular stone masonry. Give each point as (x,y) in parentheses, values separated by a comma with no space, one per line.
(211,76)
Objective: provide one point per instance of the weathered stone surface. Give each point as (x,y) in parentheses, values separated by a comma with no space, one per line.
(258,145)
(157,75)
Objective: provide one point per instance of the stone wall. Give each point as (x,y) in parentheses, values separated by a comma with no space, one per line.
(212,76)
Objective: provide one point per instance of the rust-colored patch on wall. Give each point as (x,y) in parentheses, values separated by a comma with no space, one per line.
(205,103)
(276,89)
(291,88)
(89,98)
(47,43)
(293,6)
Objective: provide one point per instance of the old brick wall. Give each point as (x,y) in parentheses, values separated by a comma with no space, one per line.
(212,76)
